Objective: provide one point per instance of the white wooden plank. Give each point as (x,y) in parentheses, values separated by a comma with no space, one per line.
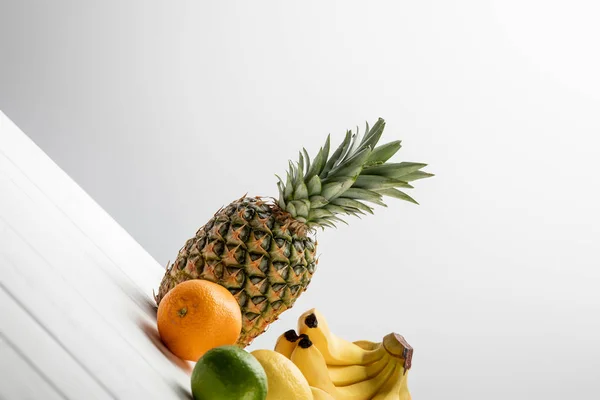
(79,207)
(81,276)
(19,378)
(27,207)
(78,301)
(31,362)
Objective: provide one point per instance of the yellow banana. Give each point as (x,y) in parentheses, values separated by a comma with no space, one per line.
(286,343)
(367,345)
(336,351)
(398,347)
(312,364)
(349,374)
(319,394)
(336,369)
(404,394)
(396,387)
(365,390)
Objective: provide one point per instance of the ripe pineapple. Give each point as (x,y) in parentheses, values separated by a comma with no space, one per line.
(261,249)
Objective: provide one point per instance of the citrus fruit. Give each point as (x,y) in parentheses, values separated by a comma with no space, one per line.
(284,377)
(196,316)
(228,372)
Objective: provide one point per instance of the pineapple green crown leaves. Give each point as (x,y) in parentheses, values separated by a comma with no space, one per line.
(318,191)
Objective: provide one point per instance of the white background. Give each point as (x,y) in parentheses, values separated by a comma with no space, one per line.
(165,111)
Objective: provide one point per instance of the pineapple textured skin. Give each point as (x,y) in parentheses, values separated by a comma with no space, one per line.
(255,250)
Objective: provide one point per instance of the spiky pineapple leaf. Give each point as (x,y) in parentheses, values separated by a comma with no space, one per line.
(301,191)
(356,145)
(349,149)
(318,201)
(366,195)
(300,162)
(378,182)
(314,185)
(335,209)
(351,203)
(354,212)
(307,160)
(281,201)
(413,176)
(345,186)
(394,170)
(330,190)
(317,164)
(319,213)
(289,187)
(384,152)
(302,208)
(336,155)
(322,223)
(397,194)
(372,137)
(320,190)
(299,175)
(325,150)
(353,166)
(291,209)
(335,186)
(337,219)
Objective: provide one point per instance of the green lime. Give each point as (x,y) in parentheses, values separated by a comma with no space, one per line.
(227,373)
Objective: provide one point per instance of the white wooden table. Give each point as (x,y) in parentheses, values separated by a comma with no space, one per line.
(76,309)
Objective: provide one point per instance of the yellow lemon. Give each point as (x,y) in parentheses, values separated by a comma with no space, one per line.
(285,380)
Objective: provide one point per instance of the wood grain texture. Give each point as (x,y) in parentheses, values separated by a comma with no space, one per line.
(77,315)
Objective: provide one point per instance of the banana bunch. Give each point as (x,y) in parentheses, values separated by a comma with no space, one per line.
(336,369)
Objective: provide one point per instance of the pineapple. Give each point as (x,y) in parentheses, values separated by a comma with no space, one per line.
(262,249)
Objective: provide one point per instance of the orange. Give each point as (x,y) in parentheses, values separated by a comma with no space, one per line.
(196,316)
